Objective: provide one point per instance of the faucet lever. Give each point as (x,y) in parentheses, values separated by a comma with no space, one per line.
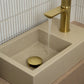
(52,13)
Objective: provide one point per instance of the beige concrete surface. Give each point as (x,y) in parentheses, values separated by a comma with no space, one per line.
(53,68)
(2,81)
(73,76)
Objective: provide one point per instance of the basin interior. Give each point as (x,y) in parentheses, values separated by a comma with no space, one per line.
(33,43)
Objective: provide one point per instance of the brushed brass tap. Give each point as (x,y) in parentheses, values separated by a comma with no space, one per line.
(64,10)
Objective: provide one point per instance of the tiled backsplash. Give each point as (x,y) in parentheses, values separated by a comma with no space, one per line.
(79,15)
(18,16)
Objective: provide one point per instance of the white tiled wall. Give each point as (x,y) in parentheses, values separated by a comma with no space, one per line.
(73,9)
(18,16)
(79,15)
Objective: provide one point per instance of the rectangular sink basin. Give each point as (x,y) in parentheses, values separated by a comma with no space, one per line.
(32,43)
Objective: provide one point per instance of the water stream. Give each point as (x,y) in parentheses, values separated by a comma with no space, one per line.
(49,31)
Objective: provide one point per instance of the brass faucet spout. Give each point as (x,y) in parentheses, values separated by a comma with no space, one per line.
(52,13)
(64,10)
